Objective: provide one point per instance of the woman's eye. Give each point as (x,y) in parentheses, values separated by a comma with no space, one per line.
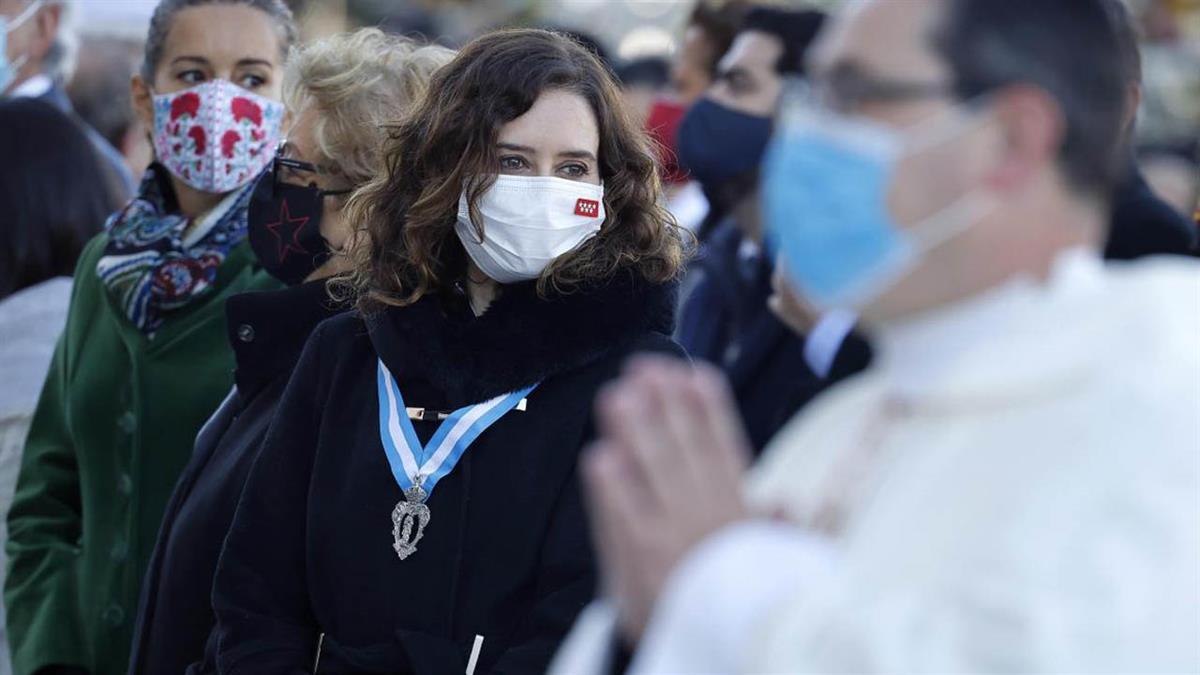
(192,76)
(512,163)
(575,170)
(251,81)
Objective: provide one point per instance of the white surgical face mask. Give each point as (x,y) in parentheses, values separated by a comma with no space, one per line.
(528,222)
(8,70)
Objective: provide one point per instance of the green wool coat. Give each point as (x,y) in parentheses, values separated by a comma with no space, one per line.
(113,430)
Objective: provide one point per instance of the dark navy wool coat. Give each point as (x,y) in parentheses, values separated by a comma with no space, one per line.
(506,556)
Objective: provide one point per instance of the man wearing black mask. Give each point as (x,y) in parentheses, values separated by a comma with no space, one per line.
(724,135)
(724,318)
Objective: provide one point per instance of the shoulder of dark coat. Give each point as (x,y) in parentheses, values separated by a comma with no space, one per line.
(337,338)
(650,343)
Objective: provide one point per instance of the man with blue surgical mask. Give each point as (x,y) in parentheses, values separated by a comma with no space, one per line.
(724,318)
(1012,485)
(37,46)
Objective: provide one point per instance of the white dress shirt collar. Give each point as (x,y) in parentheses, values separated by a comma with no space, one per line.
(1003,341)
(34,87)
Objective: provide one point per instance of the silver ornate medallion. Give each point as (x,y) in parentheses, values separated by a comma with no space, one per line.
(409,519)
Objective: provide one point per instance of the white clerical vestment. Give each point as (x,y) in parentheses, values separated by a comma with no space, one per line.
(1014,486)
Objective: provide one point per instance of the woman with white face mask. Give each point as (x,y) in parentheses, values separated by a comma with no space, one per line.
(143,360)
(415,507)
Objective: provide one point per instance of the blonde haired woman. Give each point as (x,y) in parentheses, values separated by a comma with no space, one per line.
(341,92)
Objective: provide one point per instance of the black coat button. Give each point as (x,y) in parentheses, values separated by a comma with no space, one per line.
(245,333)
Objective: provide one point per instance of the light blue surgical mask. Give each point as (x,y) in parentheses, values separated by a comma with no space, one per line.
(825,185)
(8,69)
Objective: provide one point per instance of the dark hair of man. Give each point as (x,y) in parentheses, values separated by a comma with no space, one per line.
(646,71)
(796,29)
(719,23)
(1127,38)
(54,192)
(164,14)
(1068,49)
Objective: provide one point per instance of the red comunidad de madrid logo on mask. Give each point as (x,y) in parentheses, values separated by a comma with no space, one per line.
(587,207)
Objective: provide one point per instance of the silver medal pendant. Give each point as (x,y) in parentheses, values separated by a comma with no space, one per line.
(409,519)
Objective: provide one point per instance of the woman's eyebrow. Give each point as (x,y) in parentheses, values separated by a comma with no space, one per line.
(572,154)
(197,59)
(516,148)
(255,62)
(577,154)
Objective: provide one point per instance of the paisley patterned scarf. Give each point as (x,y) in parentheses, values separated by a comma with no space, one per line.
(150,266)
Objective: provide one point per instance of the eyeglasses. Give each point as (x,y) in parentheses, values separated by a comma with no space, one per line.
(847,91)
(299,166)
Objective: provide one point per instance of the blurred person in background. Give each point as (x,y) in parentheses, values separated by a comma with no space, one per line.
(1142,223)
(1176,180)
(1169,120)
(342,93)
(99,92)
(55,198)
(37,56)
(706,37)
(143,360)
(724,133)
(643,81)
(724,318)
(415,507)
(1170,112)
(1012,486)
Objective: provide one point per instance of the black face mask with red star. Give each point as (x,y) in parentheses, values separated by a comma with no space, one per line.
(284,223)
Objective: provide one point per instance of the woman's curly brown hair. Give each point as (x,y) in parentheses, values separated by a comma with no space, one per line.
(404,218)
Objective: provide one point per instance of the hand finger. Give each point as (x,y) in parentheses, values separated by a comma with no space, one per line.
(641,362)
(628,535)
(683,421)
(788,306)
(778,277)
(608,408)
(595,469)
(608,492)
(642,431)
(721,421)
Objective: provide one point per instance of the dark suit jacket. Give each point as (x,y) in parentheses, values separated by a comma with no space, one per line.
(1142,224)
(506,554)
(725,320)
(267,331)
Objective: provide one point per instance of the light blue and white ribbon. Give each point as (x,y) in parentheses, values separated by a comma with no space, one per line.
(414,465)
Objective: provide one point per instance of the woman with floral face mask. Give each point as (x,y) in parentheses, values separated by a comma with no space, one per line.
(414,508)
(143,360)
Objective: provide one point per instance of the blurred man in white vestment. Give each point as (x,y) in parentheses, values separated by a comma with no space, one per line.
(1014,485)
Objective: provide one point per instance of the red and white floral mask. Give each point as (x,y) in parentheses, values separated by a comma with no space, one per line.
(216,136)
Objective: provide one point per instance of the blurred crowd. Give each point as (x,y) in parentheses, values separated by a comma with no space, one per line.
(855,336)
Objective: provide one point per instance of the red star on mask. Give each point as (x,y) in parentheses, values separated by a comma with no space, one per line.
(287,232)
